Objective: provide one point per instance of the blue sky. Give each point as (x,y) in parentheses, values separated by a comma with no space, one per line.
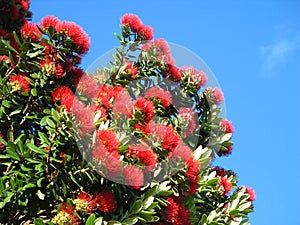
(253,48)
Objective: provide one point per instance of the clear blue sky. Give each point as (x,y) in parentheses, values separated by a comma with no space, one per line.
(253,48)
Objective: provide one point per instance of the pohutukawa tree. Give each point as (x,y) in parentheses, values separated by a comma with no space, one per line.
(131,144)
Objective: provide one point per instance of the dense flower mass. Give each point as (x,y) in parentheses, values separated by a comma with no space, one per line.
(163,96)
(49,21)
(251,193)
(76,33)
(85,202)
(19,83)
(133,21)
(176,213)
(188,120)
(105,201)
(143,153)
(133,176)
(198,78)
(30,30)
(146,107)
(227,126)
(215,95)
(66,216)
(65,95)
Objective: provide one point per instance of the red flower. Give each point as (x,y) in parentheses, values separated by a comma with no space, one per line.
(176,213)
(19,83)
(146,106)
(215,95)
(49,21)
(225,184)
(30,30)
(5,58)
(171,139)
(84,117)
(85,203)
(162,48)
(122,104)
(227,126)
(87,85)
(147,32)
(131,69)
(51,67)
(133,21)
(133,176)
(2,146)
(183,152)
(163,96)
(105,96)
(251,193)
(105,201)
(65,95)
(76,33)
(64,157)
(15,13)
(174,72)
(110,161)
(188,118)
(220,171)
(143,153)
(109,139)
(66,216)
(198,78)
(228,151)
(24,4)
(192,172)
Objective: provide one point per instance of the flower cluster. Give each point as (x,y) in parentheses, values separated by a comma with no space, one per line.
(134,23)
(131,145)
(85,203)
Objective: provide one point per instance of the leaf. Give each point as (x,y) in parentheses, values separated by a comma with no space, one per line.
(91,220)
(29,185)
(7,45)
(6,103)
(33,91)
(137,207)
(36,149)
(43,138)
(11,151)
(130,221)
(38,222)
(50,123)
(148,202)
(6,199)
(40,195)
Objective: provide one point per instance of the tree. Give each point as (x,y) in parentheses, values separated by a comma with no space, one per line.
(130,145)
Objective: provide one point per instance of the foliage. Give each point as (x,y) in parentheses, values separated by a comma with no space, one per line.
(131,145)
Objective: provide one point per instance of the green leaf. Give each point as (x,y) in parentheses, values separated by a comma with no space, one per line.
(38,222)
(91,220)
(29,185)
(43,138)
(148,202)
(40,195)
(130,221)
(36,149)
(6,199)
(50,123)
(137,207)
(6,103)
(11,151)
(34,91)
(7,45)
